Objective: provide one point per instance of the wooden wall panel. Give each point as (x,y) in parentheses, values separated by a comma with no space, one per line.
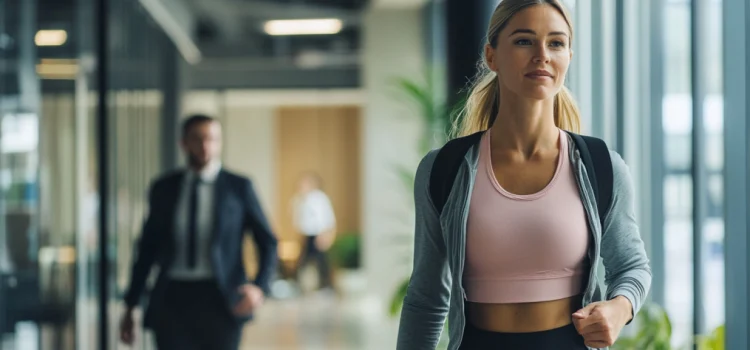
(325,140)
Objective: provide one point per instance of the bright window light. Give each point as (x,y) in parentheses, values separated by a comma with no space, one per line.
(303,27)
(55,37)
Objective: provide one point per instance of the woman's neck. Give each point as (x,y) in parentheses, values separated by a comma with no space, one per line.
(524,126)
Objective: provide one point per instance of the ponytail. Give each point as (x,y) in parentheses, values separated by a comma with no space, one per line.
(481,106)
(567,115)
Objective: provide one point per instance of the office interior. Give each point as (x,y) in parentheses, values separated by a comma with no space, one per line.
(93,93)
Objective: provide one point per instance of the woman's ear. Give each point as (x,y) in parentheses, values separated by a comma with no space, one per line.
(489,57)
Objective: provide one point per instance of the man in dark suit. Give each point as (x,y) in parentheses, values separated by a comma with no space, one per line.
(194,232)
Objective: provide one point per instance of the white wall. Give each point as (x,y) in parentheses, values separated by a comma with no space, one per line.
(250,147)
(392,48)
(248,119)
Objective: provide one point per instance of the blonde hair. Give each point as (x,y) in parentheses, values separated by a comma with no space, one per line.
(483,102)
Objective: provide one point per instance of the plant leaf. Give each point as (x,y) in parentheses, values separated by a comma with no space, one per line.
(397,301)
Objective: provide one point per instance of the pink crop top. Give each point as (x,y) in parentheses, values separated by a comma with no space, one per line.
(525,248)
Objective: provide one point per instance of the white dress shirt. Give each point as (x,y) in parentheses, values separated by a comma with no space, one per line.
(313,213)
(204,225)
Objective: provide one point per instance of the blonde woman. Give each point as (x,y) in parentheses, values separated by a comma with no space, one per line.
(510,251)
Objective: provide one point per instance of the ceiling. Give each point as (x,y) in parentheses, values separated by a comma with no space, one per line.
(230,36)
(233,46)
(235,27)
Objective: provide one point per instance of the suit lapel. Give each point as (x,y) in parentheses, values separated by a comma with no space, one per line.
(174,192)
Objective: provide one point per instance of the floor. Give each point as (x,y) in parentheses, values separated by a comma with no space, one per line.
(320,321)
(291,321)
(351,320)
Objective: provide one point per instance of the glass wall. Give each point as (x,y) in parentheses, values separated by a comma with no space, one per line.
(693,182)
(50,149)
(20,294)
(674,79)
(48,211)
(713,128)
(677,123)
(138,60)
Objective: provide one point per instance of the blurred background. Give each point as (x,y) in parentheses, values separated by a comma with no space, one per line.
(92,93)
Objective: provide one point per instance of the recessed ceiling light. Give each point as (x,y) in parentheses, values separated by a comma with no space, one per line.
(303,26)
(55,37)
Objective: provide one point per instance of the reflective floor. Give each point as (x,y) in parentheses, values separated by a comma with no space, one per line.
(351,320)
(320,321)
(323,320)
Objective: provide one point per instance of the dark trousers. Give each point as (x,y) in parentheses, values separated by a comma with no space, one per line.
(194,316)
(563,338)
(312,253)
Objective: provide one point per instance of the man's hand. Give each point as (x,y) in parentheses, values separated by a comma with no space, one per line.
(324,241)
(600,323)
(252,298)
(127,327)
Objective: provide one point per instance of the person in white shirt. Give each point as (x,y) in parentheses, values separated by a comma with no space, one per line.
(314,218)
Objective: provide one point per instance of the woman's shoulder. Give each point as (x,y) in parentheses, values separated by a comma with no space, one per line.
(428,160)
(619,166)
(456,147)
(621,176)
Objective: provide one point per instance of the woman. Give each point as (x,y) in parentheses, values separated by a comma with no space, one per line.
(517,270)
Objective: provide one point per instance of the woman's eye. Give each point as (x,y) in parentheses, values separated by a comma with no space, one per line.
(523,42)
(558,43)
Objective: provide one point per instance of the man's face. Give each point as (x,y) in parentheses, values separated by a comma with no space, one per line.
(202,143)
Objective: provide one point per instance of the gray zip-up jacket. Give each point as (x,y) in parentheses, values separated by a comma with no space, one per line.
(435,289)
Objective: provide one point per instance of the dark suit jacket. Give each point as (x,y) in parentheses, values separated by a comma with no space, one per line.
(237,211)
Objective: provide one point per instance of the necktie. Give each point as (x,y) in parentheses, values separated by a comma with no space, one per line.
(193,223)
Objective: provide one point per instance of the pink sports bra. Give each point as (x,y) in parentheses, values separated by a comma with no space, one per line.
(525,248)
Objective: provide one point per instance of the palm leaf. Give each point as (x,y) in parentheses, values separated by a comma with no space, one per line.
(406,177)
(654,331)
(398,298)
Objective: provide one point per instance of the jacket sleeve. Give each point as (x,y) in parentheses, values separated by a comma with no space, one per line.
(264,238)
(627,271)
(428,293)
(147,250)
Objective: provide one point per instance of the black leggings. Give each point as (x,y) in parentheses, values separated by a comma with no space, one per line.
(563,338)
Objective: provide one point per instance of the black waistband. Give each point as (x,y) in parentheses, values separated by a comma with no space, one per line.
(563,338)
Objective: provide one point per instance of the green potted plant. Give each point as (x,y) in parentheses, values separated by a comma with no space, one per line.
(653,331)
(346,250)
(713,341)
(424,97)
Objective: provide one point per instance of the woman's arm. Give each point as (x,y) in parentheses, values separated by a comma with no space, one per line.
(427,297)
(627,271)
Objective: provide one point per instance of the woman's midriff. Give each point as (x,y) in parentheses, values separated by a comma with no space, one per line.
(523,317)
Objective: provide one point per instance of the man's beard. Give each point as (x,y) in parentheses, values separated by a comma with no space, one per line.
(195,162)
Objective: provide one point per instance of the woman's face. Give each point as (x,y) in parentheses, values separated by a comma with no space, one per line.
(532,53)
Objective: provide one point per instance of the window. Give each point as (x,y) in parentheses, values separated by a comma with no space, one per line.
(713,129)
(678,181)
